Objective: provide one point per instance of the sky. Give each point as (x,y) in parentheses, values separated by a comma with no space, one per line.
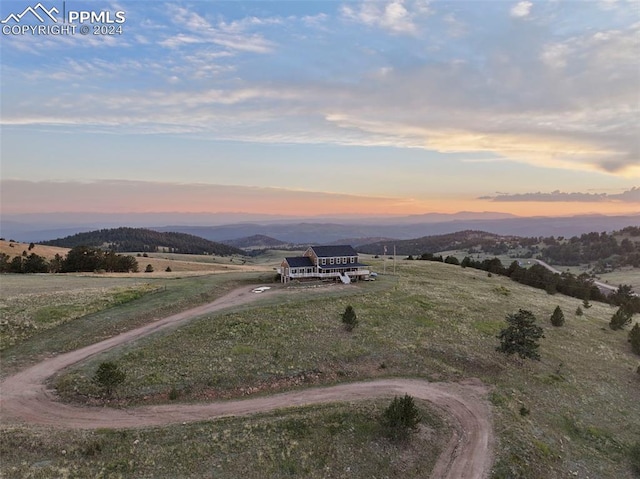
(321,107)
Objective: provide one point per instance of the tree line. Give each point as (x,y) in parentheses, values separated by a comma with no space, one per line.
(537,276)
(78,259)
(607,250)
(595,247)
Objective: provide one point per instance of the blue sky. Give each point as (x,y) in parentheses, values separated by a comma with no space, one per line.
(327,107)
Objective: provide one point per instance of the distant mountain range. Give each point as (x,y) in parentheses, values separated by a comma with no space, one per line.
(353,230)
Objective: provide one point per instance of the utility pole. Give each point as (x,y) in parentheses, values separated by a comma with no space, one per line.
(394,259)
(384,261)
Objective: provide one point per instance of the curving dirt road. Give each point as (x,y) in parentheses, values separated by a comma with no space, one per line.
(25,399)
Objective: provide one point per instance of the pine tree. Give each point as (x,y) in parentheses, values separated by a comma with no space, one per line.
(634,338)
(401,418)
(521,336)
(579,311)
(349,318)
(620,318)
(557,318)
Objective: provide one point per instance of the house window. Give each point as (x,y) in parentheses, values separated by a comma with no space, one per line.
(353,260)
(330,260)
(324,261)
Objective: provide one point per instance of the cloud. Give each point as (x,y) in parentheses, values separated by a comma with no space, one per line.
(548,100)
(234,35)
(521,9)
(629,196)
(394,16)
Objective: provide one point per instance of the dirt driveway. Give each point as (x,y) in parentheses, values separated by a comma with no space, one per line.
(25,399)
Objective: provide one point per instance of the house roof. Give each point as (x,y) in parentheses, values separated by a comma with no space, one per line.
(335,250)
(299,261)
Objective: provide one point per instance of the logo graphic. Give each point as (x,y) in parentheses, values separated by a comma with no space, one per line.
(38,20)
(34,11)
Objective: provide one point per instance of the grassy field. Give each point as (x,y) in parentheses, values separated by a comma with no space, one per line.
(627,275)
(194,264)
(334,441)
(71,311)
(33,304)
(575,413)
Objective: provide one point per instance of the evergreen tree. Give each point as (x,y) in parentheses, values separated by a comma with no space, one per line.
(521,336)
(108,376)
(4,263)
(349,318)
(620,318)
(634,338)
(579,311)
(148,269)
(35,264)
(557,318)
(401,418)
(16,265)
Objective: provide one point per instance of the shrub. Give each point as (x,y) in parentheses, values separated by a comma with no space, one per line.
(349,318)
(579,311)
(173,394)
(401,418)
(108,376)
(168,270)
(148,269)
(557,318)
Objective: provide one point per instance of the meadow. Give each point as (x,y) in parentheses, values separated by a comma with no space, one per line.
(574,413)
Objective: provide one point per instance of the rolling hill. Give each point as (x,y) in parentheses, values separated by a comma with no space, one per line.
(141,239)
(433,244)
(256,241)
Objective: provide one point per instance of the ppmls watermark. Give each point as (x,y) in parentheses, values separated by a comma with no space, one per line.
(40,20)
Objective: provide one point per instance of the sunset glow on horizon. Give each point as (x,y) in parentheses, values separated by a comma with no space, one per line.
(25,197)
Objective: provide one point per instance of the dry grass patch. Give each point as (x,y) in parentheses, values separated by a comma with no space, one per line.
(332,441)
(24,314)
(13,248)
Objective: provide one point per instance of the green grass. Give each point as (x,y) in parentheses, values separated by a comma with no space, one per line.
(626,275)
(432,320)
(334,441)
(92,313)
(23,316)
